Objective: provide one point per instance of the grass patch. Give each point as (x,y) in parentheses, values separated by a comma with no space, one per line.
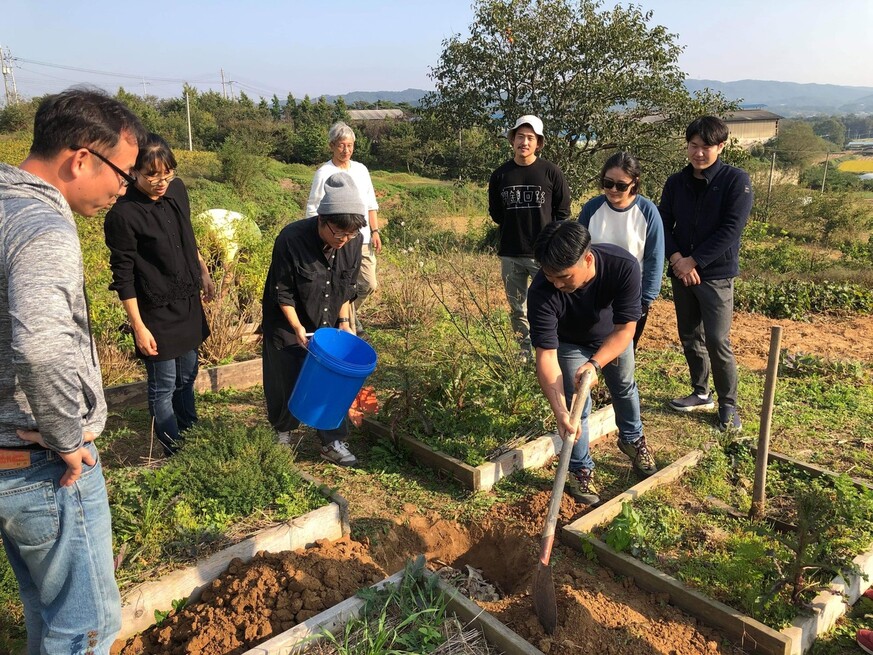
(225,476)
(449,366)
(409,616)
(764,574)
(227,481)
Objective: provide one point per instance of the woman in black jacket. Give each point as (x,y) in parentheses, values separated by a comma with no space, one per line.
(159,274)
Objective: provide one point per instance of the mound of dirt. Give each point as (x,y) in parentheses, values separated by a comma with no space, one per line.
(597,612)
(251,602)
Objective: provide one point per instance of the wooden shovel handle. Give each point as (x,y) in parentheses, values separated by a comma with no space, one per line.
(578,404)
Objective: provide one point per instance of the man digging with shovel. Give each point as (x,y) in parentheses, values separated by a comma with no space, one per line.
(583,306)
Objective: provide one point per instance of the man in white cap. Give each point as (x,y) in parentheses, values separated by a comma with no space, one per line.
(524,195)
(311,284)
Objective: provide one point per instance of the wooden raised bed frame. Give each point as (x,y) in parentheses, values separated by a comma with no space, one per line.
(751,634)
(239,375)
(533,454)
(297,638)
(140,602)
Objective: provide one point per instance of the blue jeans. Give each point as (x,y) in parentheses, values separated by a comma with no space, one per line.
(59,544)
(619,378)
(171,397)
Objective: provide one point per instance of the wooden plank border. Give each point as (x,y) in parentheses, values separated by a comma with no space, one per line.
(751,634)
(812,469)
(239,375)
(332,620)
(612,508)
(139,603)
(533,454)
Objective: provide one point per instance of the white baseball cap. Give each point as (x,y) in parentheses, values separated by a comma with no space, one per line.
(528,119)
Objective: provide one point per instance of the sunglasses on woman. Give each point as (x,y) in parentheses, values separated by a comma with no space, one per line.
(620,186)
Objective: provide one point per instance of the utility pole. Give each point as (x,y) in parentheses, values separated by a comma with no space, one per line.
(144,84)
(223,89)
(770,186)
(825,176)
(188,110)
(230,83)
(8,78)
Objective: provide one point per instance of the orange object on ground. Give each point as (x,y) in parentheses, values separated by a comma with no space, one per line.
(365,403)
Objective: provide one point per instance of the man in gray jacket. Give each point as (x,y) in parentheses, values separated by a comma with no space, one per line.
(54,512)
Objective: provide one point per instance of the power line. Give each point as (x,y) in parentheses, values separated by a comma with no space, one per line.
(206,77)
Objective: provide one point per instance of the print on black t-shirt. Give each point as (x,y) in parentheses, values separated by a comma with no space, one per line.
(523,196)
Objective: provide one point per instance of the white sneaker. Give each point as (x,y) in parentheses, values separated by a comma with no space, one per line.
(338,452)
(284,438)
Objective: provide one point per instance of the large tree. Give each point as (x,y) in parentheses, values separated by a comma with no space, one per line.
(797,145)
(600,79)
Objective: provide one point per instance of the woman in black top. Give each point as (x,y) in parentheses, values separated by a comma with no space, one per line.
(159,274)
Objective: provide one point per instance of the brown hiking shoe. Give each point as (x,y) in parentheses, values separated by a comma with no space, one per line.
(581,487)
(640,457)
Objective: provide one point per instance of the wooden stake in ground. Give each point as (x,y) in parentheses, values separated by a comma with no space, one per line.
(763,453)
(545,603)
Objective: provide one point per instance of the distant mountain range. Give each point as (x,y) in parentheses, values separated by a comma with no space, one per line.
(793,99)
(785,98)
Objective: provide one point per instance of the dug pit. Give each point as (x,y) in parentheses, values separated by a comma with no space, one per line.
(597,612)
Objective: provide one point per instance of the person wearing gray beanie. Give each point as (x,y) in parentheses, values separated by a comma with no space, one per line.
(310,285)
(341,196)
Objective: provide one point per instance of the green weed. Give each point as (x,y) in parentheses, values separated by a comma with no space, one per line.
(405,617)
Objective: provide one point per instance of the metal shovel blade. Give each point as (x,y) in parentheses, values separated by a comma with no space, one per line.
(545,603)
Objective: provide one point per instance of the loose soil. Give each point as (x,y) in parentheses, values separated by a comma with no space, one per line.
(252,602)
(597,611)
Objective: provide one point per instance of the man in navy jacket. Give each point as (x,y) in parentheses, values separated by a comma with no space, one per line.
(705,207)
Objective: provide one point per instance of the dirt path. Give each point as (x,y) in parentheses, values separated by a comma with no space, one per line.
(831,338)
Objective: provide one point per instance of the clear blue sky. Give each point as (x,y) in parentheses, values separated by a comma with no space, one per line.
(337,46)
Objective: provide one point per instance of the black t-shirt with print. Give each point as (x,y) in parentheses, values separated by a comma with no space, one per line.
(524,199)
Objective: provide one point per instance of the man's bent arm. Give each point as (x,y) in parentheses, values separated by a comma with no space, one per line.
(614,345)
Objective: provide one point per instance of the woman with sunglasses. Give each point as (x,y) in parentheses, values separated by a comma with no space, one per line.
(621,216)
(159,275)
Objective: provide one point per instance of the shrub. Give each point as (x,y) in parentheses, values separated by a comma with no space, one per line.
(836,180)
(240,166)
(198,163)
(798,299)
(830,218)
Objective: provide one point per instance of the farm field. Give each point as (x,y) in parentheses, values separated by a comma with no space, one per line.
(440,327)
(858,165)
(399,510)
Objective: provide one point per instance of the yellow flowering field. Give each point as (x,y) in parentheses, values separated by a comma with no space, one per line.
(860,165)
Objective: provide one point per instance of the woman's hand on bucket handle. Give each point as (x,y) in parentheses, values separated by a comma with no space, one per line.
(300,333)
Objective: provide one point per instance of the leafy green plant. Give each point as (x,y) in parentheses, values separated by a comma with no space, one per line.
(626,532)
(798,299)
(161,616)
(177,604)
(226,472)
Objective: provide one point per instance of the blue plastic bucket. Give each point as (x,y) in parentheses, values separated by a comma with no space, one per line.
(333,373)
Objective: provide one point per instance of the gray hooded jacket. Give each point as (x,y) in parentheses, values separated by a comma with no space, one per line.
(49,374)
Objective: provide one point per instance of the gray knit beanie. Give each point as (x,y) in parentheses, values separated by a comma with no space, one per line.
(341,196)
